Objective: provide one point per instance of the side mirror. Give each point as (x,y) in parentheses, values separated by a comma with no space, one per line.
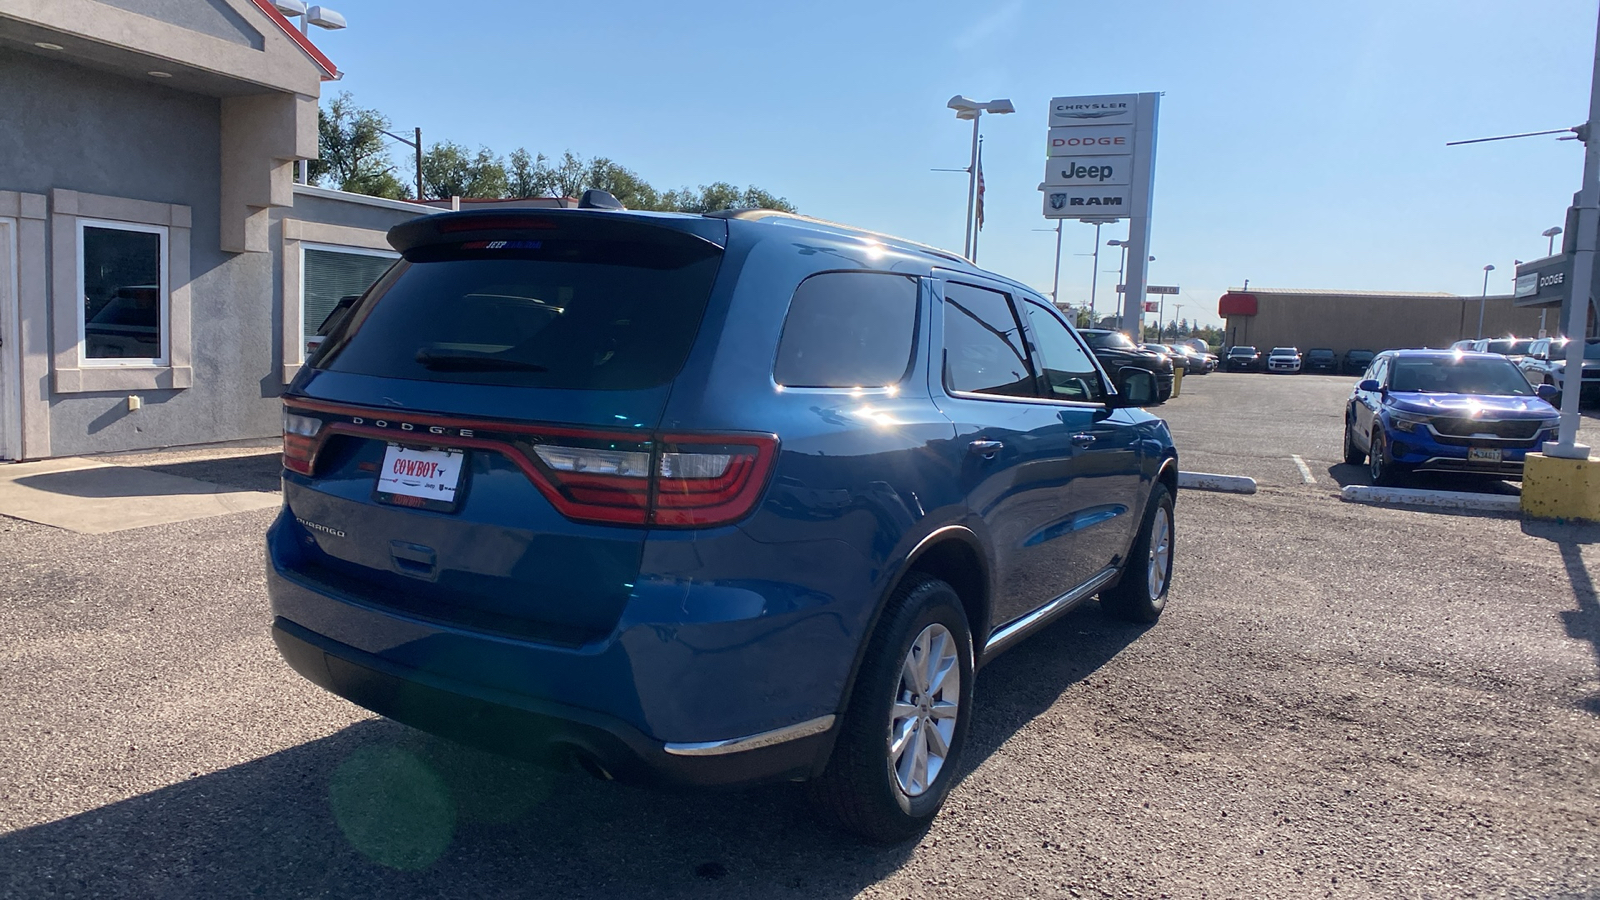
(1547,392)
(1135,387)
(1369,386)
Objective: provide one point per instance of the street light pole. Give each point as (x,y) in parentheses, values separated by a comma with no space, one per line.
(1094,279)
(1483,300)
(974,110)
(417,146)
(1583,249)
(1551,234)
(1055,286)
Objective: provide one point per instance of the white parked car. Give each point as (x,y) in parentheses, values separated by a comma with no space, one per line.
(1284,359)
(1546,363)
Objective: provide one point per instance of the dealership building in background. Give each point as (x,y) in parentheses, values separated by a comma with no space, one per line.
(159,266)
(1368,320)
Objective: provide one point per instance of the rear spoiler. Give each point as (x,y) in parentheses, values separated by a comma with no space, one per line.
(535,224)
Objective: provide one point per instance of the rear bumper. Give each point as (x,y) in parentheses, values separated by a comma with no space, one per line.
(544,732)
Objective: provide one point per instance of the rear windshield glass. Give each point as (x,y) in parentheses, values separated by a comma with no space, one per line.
(1114,340)
(558,314)
(848,329)
(1465,375)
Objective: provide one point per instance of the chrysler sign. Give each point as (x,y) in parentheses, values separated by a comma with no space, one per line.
(1112,109)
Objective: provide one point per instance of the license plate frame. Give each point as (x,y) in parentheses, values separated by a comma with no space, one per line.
(1491,455)
(429,478)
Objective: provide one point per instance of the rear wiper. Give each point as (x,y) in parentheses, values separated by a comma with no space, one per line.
(459,361)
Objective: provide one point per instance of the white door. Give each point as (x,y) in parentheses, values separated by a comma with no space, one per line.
(10,345)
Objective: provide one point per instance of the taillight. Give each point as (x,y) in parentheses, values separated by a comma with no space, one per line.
(694,481)
(703,481)
(599,484)
(665,480)
(300,441)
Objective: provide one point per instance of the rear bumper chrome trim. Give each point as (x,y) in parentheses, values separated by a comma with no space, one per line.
(753,741)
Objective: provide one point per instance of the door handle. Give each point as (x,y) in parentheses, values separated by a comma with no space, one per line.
(985,449)
(1082,439)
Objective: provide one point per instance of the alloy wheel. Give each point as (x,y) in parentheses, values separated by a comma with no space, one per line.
(922,719)
(1160,553)
(1375,457)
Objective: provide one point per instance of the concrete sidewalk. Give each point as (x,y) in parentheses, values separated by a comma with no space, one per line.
(89,496)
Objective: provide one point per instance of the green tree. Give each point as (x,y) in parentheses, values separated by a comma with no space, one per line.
(451,170)
(353,155)
(524,174)
(722,195)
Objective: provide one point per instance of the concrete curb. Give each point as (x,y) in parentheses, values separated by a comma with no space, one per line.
(1462,500)
(1226,484)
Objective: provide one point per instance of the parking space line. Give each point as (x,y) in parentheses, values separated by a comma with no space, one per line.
(1305,470)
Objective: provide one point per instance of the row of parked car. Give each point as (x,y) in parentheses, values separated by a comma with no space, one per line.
(1544,361)
(1290,361)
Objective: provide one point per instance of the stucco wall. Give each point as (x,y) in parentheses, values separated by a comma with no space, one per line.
(75,129)
(1344,322)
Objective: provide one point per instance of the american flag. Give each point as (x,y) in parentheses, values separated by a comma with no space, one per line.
(980,188)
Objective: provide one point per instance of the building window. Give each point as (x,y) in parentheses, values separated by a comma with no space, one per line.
(331,278)
(124,318)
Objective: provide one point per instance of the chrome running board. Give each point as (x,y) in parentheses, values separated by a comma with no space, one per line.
(1019,628)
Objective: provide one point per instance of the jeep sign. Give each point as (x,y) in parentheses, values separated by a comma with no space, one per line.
(1070,170)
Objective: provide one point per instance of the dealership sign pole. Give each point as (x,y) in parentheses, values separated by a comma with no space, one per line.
(1102,167)
(1577,299)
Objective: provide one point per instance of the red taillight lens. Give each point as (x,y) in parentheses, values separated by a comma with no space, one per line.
(598,484)
(300,442)
(703,481)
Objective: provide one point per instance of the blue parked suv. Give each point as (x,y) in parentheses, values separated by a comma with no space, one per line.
(705,500)
(1445,411)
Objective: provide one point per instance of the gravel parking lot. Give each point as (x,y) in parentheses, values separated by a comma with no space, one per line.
(1340,701)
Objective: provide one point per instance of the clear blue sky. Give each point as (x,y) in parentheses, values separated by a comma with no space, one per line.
(1301,144)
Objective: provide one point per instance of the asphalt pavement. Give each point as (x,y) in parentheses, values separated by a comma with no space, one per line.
(1340,700)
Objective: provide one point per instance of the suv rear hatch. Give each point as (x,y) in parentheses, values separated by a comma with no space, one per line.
(475,443)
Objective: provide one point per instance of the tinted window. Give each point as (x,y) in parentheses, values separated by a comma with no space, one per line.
(983,347)
(122,295)
(1465,375)
(1242,351)
(848,329)
(1114,340)
(330,276)
(1069,372)
(561,314)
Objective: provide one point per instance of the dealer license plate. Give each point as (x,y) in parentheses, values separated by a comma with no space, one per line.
(424,479)
(1483,454)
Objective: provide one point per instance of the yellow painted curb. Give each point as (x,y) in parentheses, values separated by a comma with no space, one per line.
(1555,488)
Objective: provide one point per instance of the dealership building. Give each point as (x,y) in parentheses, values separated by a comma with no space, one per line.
(159,265)
(1368,320)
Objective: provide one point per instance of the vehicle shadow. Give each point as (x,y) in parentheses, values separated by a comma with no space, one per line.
(1582,623)
(381,810)
(1345,475)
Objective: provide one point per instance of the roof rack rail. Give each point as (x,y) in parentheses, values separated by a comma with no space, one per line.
(757,215)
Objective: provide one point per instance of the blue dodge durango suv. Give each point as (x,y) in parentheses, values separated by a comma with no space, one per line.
(1445,411)
(704,500)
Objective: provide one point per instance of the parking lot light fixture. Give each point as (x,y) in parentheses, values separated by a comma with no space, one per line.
(1551,234)
(967,108)
(1483,300)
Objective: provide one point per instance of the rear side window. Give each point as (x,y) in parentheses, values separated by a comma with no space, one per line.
(584,315)
(983,348)
(848,329)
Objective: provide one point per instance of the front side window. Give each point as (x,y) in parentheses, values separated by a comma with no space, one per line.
(122,278)
(1069,372)
(332,279)
(983,348)
(848,329)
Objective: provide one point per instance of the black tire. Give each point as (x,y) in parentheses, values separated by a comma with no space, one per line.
(1352,455)
(1384,471)
(1134,597)
(859,790)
